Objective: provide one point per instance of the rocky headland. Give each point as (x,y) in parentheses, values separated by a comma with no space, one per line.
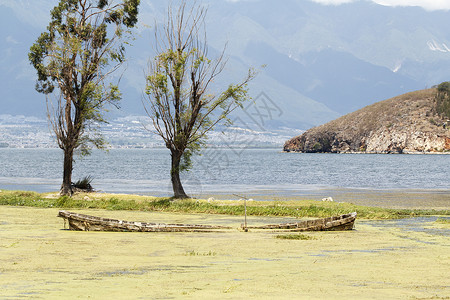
(409,123)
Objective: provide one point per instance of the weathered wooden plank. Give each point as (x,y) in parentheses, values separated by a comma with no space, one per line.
(342,222)
(92,223)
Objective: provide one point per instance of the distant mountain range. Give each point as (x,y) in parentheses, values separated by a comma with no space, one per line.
(321,61)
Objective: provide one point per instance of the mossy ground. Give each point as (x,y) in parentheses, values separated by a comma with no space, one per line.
(39,259)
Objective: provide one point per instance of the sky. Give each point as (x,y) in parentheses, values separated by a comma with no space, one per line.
(426,4)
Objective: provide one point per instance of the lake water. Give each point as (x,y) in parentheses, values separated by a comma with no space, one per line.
(265,173)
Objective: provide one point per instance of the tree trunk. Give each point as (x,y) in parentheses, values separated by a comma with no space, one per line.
(178,191)
(66,187)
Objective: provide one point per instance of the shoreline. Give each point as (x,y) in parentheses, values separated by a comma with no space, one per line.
(278,207)
(384,198)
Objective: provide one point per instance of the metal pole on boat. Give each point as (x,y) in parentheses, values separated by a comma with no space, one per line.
(245,211)
(245,215)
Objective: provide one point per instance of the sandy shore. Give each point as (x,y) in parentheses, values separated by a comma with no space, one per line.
(402,198)
(38,259)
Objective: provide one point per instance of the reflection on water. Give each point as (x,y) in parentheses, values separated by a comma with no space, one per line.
(418,224)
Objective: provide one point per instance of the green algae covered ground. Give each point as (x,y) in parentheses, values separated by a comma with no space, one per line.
(377,260)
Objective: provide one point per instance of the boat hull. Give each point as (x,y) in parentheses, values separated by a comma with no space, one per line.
(83,222)
(342,222)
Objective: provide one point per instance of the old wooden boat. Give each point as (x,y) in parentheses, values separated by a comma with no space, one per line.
(83,222)
(342,222)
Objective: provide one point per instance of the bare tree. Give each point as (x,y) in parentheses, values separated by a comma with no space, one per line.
(83,44)
(178,95)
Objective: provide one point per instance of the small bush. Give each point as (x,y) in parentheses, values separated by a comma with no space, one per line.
(443,221)
(193,253)
(443,99)
(84,184)
(62,201)
(432,121)
(317,147)
(299,236)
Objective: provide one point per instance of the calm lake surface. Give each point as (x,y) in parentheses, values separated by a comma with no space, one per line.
(264,173)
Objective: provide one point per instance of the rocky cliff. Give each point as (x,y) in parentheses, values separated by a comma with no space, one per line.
(405,124)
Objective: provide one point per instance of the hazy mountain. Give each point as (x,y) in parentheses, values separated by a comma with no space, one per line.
(322,61)
(409,123)
(17,78)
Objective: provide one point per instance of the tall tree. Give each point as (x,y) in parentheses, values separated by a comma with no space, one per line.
(83,44)
(178,95)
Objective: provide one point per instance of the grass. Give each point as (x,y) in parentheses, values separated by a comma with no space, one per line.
(194,253)
(299,209)
(443,221)
(298,236)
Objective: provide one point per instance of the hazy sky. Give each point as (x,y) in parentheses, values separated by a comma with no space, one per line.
(427,4)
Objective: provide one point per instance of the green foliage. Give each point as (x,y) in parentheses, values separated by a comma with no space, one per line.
(192,149)
(317,147)
(443,221)
(73,56)
(179,103)
(444,87)
(322,144)
(63,201)
(443,99)
(298,236)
